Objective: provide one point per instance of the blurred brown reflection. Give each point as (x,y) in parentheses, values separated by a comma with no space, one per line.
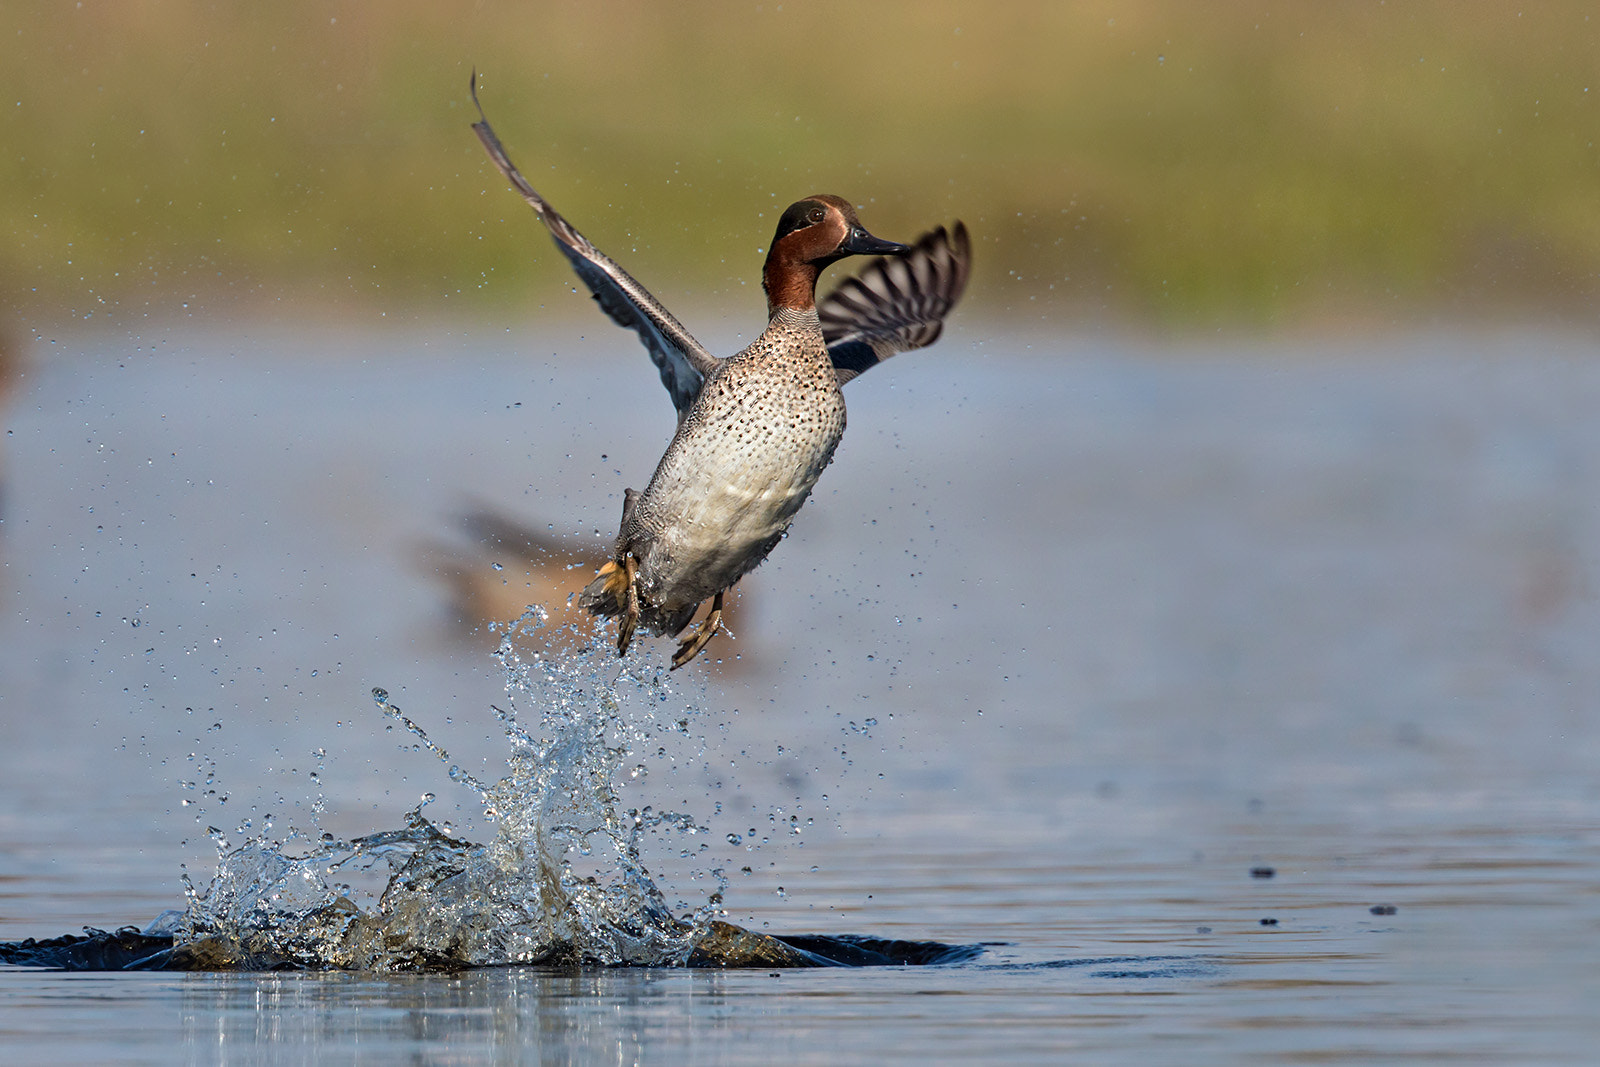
(511,564)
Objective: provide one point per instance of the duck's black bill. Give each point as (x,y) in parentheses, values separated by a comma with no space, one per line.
(862,243)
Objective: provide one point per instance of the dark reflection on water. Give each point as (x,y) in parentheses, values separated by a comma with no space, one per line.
(130,949)
(1074,637)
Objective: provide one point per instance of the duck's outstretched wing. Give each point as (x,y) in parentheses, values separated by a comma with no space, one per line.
(682,361)
(896,303)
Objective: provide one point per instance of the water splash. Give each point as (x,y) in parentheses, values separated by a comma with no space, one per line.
(561,879)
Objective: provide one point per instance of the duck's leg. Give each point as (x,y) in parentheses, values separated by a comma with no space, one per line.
(615,590)
(630,601)
(615,593)
(690,647)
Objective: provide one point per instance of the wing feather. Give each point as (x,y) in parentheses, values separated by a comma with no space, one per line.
(896,303)
(682,361)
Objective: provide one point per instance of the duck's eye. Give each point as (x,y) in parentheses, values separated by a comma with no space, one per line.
(817,215)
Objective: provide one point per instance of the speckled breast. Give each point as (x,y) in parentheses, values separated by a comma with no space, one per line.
(748,455)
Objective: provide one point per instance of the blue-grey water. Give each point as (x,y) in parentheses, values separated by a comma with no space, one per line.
(1076,634)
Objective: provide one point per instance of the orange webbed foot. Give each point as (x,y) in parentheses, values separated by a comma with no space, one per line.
(630,600)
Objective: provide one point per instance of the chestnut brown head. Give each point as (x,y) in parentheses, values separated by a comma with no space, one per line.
(811,234)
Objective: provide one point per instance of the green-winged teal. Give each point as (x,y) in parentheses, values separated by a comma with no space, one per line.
(755,429)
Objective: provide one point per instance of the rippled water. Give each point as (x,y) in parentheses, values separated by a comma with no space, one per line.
(1077,641)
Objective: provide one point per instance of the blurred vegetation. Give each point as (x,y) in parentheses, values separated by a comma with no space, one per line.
(1191,164)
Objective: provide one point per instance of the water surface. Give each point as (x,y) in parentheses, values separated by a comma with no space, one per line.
(1075,635)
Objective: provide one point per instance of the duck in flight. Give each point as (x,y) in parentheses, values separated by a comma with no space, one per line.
(755,429)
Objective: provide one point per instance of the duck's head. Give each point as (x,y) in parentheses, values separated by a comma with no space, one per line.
(811,234)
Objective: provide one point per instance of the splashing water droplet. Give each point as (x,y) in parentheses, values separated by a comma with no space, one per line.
(562,875)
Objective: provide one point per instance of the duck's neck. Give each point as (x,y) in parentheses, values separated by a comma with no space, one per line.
(789,284)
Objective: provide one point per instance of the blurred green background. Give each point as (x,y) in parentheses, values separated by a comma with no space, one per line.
(1189,165)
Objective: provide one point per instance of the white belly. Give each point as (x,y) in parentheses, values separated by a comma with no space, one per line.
(723,495)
